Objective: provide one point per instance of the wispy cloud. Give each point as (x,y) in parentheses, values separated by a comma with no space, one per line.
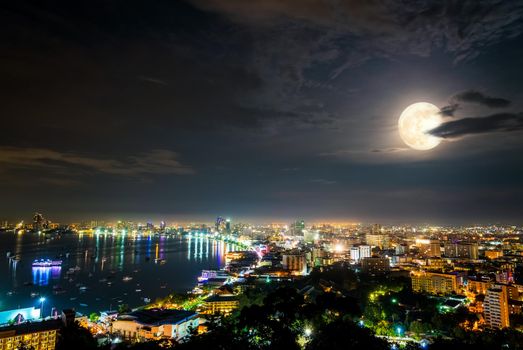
(323,181)
(474,96)
(152,80)
(159,161)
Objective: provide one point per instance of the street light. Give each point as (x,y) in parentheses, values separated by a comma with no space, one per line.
(308,332)
(42,299)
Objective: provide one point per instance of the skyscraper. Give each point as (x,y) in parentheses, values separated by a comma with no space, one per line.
(435,248)
(496,307)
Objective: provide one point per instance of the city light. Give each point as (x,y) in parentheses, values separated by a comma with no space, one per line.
(307,331)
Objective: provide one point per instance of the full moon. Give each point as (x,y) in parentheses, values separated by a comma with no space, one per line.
(415,121)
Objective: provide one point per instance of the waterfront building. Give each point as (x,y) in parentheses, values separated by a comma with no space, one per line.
(496,307)
(32,335)
(156,324)
(17,316)
(434,283)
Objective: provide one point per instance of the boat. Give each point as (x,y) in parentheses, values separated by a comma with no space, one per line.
(127,278)
(58,290)
(46,263)
(138,290)
(34,294)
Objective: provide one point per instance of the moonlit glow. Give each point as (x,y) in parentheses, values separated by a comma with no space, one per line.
(415,121)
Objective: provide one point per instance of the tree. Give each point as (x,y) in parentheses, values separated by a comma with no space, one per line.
(73,336)
(342,335)
(94,317)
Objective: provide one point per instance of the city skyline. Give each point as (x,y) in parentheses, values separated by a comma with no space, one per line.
(276,111)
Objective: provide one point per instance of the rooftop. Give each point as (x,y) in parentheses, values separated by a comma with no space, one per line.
(158,317)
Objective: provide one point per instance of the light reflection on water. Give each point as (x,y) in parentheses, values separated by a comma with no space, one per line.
(101,262)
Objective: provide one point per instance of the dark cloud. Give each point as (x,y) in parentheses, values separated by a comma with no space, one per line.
(355,31)
(146,163)
(448,111)
(473,96)
(505,122)
(388,150)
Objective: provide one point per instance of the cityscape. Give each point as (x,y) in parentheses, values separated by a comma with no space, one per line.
(409,285)
(261,175)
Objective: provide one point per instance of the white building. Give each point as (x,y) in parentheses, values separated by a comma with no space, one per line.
(156,324)
(355,254)
(365,251)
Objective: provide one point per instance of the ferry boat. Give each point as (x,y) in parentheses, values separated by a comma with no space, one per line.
(47,263)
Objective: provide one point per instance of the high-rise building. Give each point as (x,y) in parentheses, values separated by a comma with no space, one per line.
(496,307)
(34,335)
(401,249)
(219,224)
(435,248)
(294,261)
(355,253)
(365,251)
(464,250)
(375,265)
(228,226)
(434,283)
(375,229)
(297,228)
(378,240)
(39,222)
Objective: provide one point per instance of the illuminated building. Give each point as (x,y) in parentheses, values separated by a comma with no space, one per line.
(435,249)
(496,307)
(35,335)
(355,253)
(478,286)
(375,265)
(401,249)
(434,283)
(462,250)
(435,263)
(309,236)
(493,254)
(39,222)
(155,324)
(297,228)
(365,251)
(378,240)
(19,315)
(294,261)
(224,304)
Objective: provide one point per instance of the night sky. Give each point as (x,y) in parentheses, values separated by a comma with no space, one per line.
(260,109)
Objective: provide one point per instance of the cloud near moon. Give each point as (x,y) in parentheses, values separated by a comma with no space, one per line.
(498,122)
